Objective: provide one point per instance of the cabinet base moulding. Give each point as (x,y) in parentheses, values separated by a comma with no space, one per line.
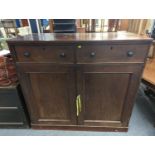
(78,128)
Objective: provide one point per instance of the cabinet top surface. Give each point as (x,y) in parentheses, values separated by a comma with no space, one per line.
(74,37)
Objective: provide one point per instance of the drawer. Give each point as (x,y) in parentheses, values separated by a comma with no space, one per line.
(8,116)
(111,53)
(55,54)
(8,98)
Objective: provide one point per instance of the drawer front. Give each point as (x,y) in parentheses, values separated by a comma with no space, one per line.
(10,116)
(55,54)
(111,53)
(8,98)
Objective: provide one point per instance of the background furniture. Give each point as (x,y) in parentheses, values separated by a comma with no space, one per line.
(9,26)
(64,25)
(149,71)
(80,81)
(99,25)
(24,22)
(149,77)
(12,110)
(139,26)
(84,25)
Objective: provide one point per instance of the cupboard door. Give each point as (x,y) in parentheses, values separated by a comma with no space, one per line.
(50,93)
(107,94)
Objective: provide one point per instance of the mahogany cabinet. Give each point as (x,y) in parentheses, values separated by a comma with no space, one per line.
(80,81)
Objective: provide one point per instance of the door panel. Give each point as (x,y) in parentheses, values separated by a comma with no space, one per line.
(107,93)
(50,95)
(104,95)
(51,92)
(104,91)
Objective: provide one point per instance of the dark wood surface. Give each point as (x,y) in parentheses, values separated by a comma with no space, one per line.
(80,37)
(111,53)
(55,54)
(50,93)
(107,91)
(81,128)
(103,68)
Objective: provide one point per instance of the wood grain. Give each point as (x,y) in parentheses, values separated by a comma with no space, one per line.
(149,71)
(55,54)
(51,94)
(81,37)
(111,53)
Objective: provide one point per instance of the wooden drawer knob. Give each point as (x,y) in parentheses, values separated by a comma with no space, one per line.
(27,54)
(62,55)
(92,54)
(130,53)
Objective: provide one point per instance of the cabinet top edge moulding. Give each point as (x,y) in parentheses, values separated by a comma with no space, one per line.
(113,37)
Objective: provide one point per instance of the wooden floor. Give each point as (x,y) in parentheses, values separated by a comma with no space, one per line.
(149,72)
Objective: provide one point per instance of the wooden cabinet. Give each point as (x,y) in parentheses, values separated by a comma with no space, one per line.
(80,81)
